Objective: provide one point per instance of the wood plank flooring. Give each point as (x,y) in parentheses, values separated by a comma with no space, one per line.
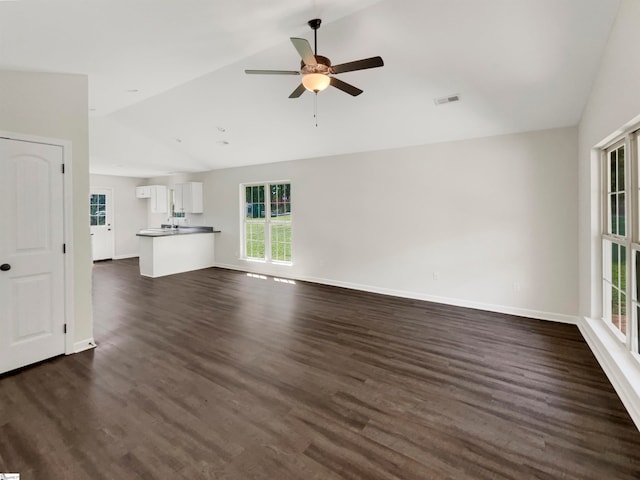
(217,375)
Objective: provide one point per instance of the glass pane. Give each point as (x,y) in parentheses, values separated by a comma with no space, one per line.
(93,209)
(101,220)
(621,322)
(94,199)
(260,190)
(606,301)
(621,215)
(94,221)
(637,262)
(281,242)
(638,320)
(102,199)
(247,194)
(620,184)
(623,268)
(254,235)
(612,171)
(615,265)
(606,260)
(615,304)
(613,221)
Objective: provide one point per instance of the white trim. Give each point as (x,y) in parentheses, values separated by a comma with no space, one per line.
(618,363)
(128,255)
(82,345)
(67,159)
(520,312)
(69,268)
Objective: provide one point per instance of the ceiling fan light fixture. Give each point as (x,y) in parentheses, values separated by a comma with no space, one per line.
(316,82)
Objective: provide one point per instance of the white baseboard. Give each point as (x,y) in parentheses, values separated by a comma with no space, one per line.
(122,257)
(520,312)
(618,363)
(82,345)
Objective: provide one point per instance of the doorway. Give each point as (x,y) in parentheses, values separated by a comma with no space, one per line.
(34,270)
(101,223)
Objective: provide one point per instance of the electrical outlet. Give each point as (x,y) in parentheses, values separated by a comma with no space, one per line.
(436,275)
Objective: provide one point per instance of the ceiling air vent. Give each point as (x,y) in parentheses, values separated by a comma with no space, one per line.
(447,99)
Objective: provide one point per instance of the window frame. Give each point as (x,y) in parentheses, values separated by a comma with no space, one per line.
(267,222)
(630,240)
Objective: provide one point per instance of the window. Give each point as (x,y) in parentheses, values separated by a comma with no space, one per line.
(621,239)
(97,210)
(615,242)
(266,226)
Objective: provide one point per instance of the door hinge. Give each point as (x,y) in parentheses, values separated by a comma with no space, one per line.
(63,168)
(64,248)
(65,328)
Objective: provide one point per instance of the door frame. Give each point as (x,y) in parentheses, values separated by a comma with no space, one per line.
(67,200)
(111,210)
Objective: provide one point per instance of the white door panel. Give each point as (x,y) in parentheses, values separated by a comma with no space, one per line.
(101,221)
(31,244)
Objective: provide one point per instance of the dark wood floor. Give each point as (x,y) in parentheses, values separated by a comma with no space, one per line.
(217,375)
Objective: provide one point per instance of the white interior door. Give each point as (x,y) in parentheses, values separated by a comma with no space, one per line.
(32,275)
(101,218)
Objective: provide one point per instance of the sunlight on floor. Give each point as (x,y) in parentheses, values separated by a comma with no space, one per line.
(276,279)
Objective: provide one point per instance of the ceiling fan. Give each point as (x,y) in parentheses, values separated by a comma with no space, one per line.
(317,71)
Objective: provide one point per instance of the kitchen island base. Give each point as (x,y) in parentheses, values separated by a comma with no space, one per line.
(171,254)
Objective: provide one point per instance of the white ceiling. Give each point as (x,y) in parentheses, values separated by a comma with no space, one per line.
(518,65)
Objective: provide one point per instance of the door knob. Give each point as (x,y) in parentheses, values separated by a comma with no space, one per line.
(5,267)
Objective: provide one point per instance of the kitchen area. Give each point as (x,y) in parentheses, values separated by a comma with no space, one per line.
(162,224)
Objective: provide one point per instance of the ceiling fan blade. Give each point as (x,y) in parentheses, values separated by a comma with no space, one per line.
(272,72)
(372,62)
(304,49)
(298,91)
(345,87)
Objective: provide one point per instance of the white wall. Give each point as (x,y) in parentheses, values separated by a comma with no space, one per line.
(494,218)
(614,101)
(56,106)
(614,105)
(129,212)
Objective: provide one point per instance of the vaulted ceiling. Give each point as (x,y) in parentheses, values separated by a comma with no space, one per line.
(168,92)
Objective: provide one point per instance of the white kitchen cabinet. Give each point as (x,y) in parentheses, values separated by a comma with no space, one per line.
(158,199)
(143,191)
(187,197)
(157,194)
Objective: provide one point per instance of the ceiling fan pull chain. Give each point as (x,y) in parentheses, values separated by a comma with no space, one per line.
(315,108)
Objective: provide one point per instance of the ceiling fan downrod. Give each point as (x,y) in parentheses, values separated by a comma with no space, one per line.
(315,25)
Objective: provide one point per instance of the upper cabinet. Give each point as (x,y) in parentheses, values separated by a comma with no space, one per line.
(187,197)
(158,199)
(143,192)
(157,194)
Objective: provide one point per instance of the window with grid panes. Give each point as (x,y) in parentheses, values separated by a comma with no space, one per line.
(266,226)
(97,210)
(615,242)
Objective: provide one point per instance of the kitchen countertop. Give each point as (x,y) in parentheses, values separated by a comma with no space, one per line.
(167,232)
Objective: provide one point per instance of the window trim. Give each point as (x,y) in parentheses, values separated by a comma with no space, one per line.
(267,223)
(631,240)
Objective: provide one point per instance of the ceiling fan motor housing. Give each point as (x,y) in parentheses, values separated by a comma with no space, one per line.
(323,66)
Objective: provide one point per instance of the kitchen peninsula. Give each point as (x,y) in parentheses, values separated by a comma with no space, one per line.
(169,250)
